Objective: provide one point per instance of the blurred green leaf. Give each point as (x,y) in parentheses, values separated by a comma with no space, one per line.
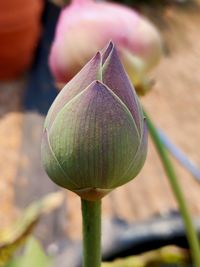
(34,256)
(14,236)
(15,263)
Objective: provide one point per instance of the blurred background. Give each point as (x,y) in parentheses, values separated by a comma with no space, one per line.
(28,87)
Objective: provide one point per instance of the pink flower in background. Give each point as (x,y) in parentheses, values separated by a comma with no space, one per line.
(84,27)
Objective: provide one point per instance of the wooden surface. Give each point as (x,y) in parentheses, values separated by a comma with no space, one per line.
(174,105)
(10,141)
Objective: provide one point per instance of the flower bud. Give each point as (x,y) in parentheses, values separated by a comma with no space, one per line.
(84,27)
(95,136)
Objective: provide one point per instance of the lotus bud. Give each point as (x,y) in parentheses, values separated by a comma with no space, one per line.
(95,136)
(84,27)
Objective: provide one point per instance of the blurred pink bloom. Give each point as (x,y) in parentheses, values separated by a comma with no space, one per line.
(84,27)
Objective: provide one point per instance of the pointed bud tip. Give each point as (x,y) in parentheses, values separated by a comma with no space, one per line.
(111,45)
(97,85)
(97,56)
(107,50)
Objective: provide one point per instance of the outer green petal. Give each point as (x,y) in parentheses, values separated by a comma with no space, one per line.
(137,161)
(142,151)
(91,72)
(52,166)
(94,138)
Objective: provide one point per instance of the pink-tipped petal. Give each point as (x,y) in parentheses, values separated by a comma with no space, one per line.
(115,77)
(90,72)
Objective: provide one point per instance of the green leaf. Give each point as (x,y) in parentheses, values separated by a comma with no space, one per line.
(15,263)
(15,236)
(34,256)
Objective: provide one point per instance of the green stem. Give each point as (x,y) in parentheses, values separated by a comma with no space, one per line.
(91,215)
(169,169)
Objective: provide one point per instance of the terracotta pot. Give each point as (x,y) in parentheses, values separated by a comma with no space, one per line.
(19,32)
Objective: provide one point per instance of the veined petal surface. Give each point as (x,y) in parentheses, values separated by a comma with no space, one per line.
(94,138)
(91,72)
(52,166)
(115,77)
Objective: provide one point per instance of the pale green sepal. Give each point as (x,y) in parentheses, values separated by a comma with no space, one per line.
(92,194)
